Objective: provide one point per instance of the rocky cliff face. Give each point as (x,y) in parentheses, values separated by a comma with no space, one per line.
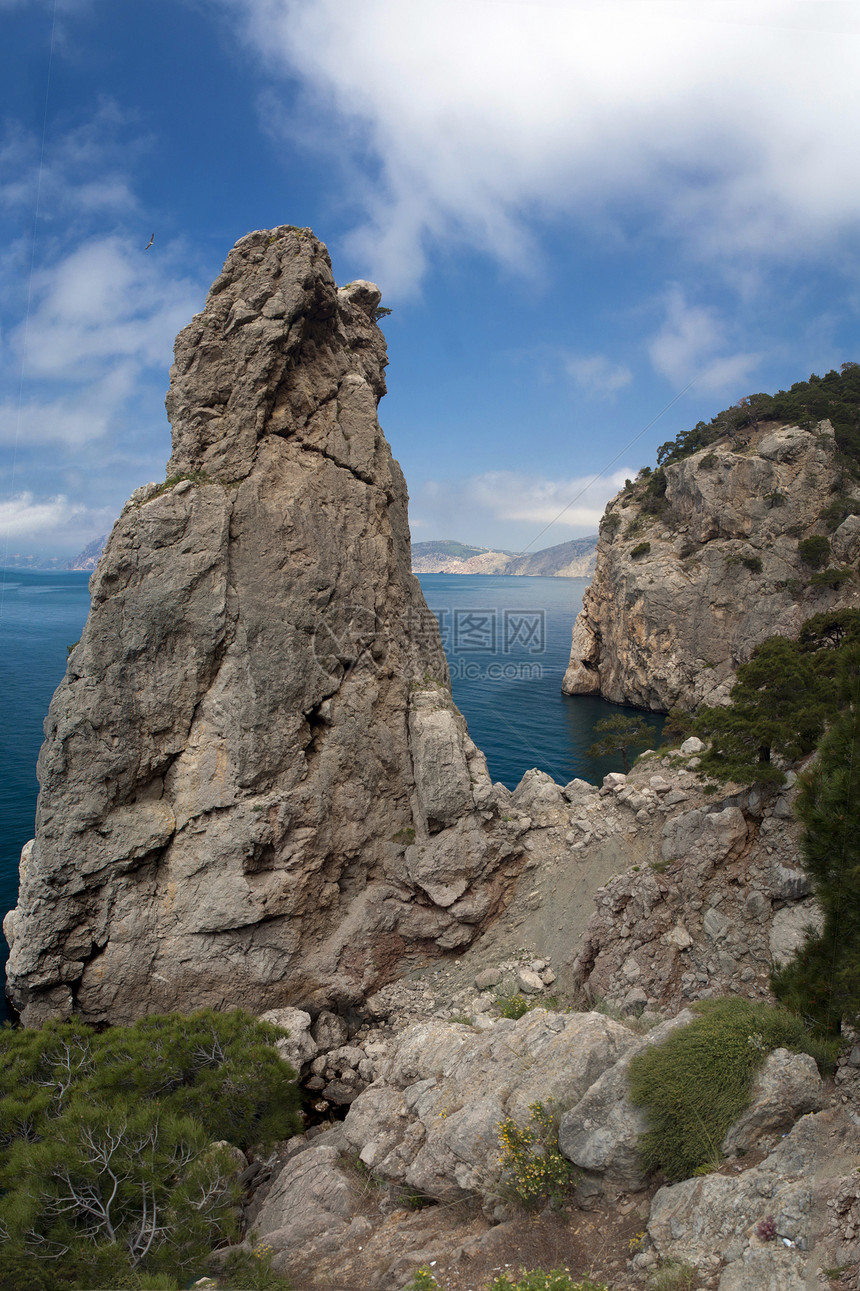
(255,788)
(680,598)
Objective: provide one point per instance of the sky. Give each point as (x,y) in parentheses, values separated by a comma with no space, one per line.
(596,223)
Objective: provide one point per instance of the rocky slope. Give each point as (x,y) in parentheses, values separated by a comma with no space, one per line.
(688,583)
(89,558)
(255,787)
(574,559)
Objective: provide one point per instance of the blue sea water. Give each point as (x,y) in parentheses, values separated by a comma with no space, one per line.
(507,641)
(41,614)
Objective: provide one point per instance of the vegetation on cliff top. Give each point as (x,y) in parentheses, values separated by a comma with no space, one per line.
(835,396)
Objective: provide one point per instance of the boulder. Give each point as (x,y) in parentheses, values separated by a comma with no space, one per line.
(298,1047)
(432,1123)
(787,1087)
(601,1132)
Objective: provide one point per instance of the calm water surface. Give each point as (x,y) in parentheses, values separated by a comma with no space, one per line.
(507,641)
(508,644)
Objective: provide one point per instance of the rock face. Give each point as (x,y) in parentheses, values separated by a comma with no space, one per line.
(723,887)
(255,787)
(679,599)
(432,1121)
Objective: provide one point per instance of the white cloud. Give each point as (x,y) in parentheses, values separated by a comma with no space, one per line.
(56,518)
(81,172)
(730,121)
(687,348)
(106,301)
(103,317)
(596,375)
(510,509)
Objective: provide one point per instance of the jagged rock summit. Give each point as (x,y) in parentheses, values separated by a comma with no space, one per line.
(255,787)
(689,582)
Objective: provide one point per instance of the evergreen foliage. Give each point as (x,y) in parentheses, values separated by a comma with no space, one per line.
(697,1082)
(620,734)
(822,982)
(835,396)
(109,1169)
(814,551)
(782,700)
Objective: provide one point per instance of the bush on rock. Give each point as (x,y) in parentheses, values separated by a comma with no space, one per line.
(698,1081)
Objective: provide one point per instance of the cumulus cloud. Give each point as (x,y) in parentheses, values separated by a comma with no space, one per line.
(103,316)
(81,172)
(687,347)
(513,510)
(57,518)
(105,302)
(728,121)
(597,375)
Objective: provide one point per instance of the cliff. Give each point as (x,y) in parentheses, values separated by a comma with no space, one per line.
(255,787)
(90,556)
(699,563)
(574,559)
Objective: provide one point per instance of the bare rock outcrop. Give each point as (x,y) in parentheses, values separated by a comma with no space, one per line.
(723,894)
(255,787)
(680,598)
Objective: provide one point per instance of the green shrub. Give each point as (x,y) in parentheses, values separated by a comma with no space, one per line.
(752,563)
(838,510)
(830,578)
(814,551)
(538,1280)
(697,1082)
(641,549)
(533,1168)
(109,1162)
(620,734)
(672,1275)
(512,1006)
(610,524)
(252,1271)
(782,700)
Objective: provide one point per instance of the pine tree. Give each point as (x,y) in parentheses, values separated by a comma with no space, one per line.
(620,734)
(823,980)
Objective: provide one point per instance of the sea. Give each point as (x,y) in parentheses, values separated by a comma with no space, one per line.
(507,640)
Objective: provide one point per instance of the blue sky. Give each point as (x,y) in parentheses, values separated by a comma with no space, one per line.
(584,214)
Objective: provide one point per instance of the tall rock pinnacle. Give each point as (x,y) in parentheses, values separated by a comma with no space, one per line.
(255,787)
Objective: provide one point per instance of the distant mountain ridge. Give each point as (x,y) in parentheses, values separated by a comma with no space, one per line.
(86,560)
(574,559)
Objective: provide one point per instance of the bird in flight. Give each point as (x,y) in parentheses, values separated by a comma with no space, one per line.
(149,243)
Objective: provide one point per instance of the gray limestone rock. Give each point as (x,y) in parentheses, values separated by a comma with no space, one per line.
(255,787)
(787,1087)
(432,1122)
(789,927)
(722,571)
(298,1047)
(601,1132)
